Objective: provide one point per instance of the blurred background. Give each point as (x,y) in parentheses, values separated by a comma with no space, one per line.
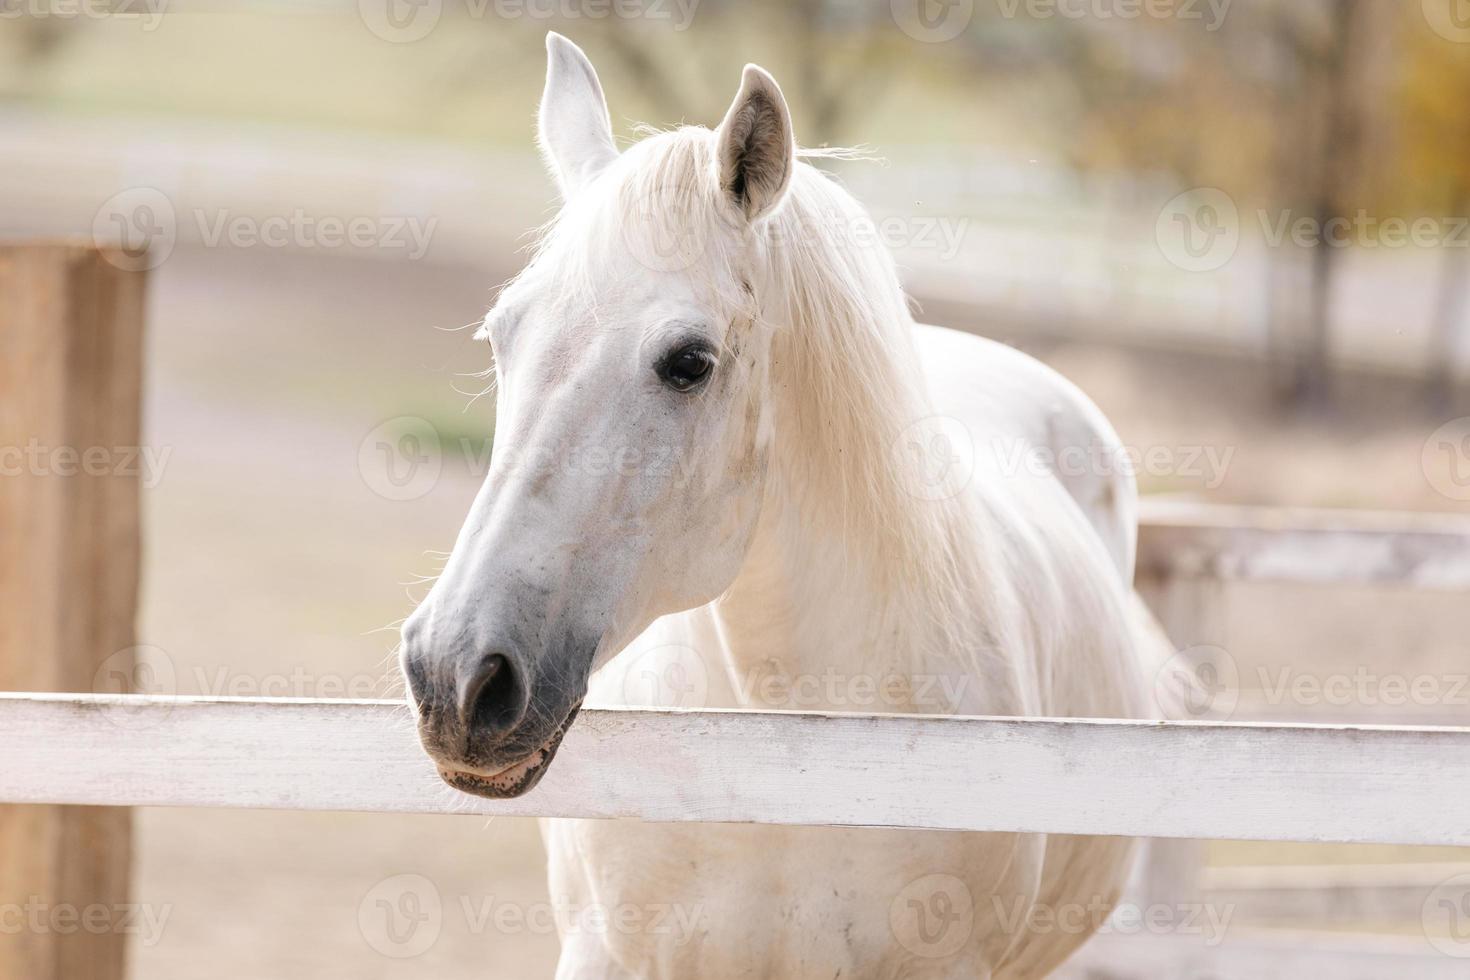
(1242,226)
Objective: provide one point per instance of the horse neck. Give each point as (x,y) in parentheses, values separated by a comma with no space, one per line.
(856,604)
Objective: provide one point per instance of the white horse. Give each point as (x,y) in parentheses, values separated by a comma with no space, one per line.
(730,470)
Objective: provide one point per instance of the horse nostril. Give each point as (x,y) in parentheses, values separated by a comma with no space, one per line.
(491,698)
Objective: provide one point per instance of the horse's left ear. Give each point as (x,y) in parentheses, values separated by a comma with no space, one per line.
(573,127)
(756,151)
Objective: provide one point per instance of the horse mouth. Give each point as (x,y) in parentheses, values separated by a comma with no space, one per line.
(515,779)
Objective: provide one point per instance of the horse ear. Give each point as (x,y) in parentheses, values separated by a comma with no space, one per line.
(756,150)
(573,127)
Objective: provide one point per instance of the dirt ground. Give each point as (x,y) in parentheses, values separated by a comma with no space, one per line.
(274,567)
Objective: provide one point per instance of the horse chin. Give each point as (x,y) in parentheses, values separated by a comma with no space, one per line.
(516,779)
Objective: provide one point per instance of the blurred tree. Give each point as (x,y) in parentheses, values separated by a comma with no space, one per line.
(1321,106)
(37,40)
(1434,172)
(833,52)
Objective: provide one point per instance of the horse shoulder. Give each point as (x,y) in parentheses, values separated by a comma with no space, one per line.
(1024,416)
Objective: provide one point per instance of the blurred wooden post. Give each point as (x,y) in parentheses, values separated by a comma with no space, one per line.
(1191,609)
(71,322)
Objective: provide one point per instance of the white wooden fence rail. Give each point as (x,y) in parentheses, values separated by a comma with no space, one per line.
(1316,547)
(1269,782)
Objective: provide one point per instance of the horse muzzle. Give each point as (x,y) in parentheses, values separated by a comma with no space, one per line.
(489,716)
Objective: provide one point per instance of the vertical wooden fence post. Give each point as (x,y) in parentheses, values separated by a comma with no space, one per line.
(70,385)
(1191,609)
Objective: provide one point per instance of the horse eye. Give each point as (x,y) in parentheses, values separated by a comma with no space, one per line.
(685,367)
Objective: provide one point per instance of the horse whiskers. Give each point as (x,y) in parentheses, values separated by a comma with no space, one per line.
(472,323)
(473,396)
(387,627)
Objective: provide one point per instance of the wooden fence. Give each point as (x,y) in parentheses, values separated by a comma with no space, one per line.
(1141,779)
